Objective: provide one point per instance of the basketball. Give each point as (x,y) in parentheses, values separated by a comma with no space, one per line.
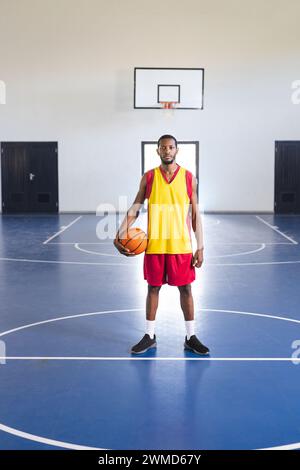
(136,240)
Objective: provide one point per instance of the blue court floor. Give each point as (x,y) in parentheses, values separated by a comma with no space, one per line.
(71,308)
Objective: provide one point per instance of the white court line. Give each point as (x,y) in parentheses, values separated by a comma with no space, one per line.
(103,312)
(68,445)
(249,243)
(68,262)
(211,244)
(284,447)
(70,317)
(94,252)
(265,263)
(129,264)
(45,440)
(276,230)
(62,230)
(88,243)
(262,247)
(107,358)
(33,437)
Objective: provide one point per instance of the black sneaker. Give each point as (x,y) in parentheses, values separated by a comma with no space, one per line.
(193,344)
(145,344)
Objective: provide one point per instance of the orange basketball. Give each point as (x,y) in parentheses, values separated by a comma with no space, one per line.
(136,240)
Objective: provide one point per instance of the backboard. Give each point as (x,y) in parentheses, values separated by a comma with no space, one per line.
(154,86)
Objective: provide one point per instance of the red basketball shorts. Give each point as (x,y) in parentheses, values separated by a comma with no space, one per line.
(175,270)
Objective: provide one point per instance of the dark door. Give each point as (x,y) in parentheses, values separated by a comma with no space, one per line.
(29,177)
(287,177)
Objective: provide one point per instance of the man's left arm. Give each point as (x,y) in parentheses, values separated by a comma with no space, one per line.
(197,226)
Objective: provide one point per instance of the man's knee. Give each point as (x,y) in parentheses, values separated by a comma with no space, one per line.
(153,289)
(185,289)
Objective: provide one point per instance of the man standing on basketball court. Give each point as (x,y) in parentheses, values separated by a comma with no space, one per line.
(171,191)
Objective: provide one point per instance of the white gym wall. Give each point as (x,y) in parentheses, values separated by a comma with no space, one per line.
(68,68)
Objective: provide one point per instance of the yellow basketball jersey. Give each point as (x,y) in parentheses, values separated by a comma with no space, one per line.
(168,213)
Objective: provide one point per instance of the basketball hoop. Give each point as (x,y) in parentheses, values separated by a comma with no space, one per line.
(168,104)
(169,108)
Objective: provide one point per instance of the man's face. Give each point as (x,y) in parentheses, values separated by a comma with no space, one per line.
(167,151)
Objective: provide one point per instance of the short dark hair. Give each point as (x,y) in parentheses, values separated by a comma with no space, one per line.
(166,136)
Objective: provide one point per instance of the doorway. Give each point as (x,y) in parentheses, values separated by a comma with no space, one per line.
(29,177)
(287,177)
(188,156)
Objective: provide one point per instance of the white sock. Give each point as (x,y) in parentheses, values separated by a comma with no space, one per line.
(190,328)
(150,327)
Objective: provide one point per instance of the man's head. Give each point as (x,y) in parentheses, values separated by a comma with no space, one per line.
(167,149)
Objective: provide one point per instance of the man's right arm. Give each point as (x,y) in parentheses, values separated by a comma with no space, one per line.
(131,216)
